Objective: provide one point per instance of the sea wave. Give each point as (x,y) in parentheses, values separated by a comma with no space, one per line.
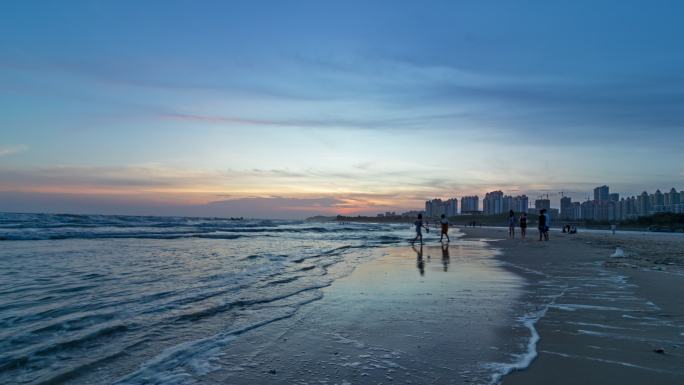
(34,227)
(148,285)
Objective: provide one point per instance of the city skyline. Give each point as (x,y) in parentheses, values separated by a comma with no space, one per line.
(605,205)
(291,110)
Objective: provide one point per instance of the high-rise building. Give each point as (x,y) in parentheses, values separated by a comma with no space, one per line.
(521,203)
(506,203)
(576,211)
(566,208)
(451,207)
(604,211)
(542,204)
(658,199)
(614,197)
(492,204)
(470,204)
(587,208)
(643,204)
(436,207)
(601,193)
(675,197)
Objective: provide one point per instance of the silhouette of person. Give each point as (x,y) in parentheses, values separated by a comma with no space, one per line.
(419,229)
(511,224)
(523,225)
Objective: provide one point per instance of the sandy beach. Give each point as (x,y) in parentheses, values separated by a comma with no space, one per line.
(301,303)
(607,320)
(398,318)
(565,313)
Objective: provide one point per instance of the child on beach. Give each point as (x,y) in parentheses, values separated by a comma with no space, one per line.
(511,224)
(523,225)
(419,229)
(445,228)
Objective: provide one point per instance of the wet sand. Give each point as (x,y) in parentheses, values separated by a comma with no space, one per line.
(398,318)
(607,320)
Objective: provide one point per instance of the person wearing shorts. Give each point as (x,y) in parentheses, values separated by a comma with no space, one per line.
(445,228)
(419,229)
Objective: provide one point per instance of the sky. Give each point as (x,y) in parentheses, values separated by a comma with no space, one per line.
(290,109)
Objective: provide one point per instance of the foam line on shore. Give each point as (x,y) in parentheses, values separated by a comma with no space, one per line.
(614,362)
(524,360)
(167,366)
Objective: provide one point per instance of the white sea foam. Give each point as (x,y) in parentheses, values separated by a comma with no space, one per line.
(614,362)
(178,364)
(525,359)
(601,326)
(574,307)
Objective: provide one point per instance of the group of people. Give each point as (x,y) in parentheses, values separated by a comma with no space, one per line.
(543,222)
(420,225)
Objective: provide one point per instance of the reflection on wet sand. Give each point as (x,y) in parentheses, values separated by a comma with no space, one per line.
(445,256)
(420,263)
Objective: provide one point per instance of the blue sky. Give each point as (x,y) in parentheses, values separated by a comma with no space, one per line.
(295,108)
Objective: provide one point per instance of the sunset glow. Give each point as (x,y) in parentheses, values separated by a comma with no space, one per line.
(356,108)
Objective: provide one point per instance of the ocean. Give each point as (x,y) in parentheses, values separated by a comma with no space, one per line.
(139,300)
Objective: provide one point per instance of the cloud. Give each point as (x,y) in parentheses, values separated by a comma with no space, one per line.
(276,207)
(11,150)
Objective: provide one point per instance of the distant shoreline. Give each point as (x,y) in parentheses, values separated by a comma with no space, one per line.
(480,221)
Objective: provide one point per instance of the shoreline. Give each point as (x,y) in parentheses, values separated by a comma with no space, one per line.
(395,319)
(602,319)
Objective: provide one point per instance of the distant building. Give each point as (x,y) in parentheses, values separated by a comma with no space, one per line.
(412,213)
(675,197)
(587,209)
(542,204)
(601,194)
(436,207)
(492,204)
(608,206)
(643,204)
(470,204)
(604,211)
(521,203)
(658,199)
(576,211)
(451,207)
(566,208)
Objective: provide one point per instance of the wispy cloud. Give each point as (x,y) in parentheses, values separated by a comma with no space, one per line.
(6,150)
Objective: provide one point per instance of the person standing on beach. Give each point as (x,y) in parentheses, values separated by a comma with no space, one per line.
(511,224)
(548,224)
(523,224)
(419,229)
(541,222)
(445,228)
